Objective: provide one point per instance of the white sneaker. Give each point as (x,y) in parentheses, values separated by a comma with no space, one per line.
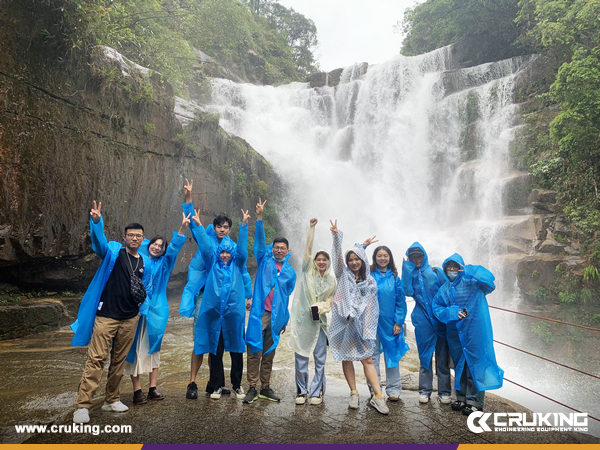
(423,398)
(117,406)
(239,393)
(353,404)
(379,404)
(394,397)
(216,395)
(316,400)
(81,415)
(301,399)
(445,399)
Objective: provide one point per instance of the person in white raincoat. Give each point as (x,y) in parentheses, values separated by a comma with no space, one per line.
(355,314)
(317,286)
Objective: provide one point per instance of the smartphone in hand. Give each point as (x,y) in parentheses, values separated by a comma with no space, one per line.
(314,311)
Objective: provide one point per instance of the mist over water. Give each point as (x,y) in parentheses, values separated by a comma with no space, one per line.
(413,149)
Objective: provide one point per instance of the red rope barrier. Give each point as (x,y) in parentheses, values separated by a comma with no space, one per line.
(544,318)
(548,398)
(546,359)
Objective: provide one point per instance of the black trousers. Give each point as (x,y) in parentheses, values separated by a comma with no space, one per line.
(217,372)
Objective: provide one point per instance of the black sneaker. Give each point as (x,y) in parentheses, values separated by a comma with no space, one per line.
(225,391)
(458,405)
(251,396)
(468,409)
(268,393)
(192,391)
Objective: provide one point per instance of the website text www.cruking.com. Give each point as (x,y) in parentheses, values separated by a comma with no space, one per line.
(74,428)
(478,422)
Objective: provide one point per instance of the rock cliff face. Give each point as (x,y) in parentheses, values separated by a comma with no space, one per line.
(89,126)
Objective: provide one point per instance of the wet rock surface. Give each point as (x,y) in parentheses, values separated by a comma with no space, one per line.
(40,376)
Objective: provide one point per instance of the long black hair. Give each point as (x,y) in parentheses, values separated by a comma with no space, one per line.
(164,245)
(391,264)
(362,272)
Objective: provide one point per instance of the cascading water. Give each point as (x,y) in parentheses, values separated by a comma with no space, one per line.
(409,150)
(391,151)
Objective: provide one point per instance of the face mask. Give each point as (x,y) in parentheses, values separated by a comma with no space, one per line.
(452,275)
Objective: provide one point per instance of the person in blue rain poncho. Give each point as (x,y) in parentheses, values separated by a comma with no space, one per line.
(221,320)
(109,313)
(422,282)
(354,317)
(392,312)
(191,298)
(461,304)
(269,315)
(144,356)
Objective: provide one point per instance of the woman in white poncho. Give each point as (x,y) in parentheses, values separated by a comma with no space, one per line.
(355,314)
(317,286)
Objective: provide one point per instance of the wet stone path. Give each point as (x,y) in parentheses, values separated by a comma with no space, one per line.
(40,375)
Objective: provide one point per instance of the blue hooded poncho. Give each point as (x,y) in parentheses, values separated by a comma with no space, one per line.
(197,270)
(223,305)
(158,307)
(108,251)
(266,279)
(422,285)
(392,309)
(470,339)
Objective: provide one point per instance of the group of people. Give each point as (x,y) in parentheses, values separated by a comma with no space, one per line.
(124,314)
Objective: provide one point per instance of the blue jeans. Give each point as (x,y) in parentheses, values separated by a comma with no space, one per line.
(318,382)
(468,392)
(392,374)
(442,364)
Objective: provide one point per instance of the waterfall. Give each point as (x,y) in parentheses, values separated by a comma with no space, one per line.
(409,150)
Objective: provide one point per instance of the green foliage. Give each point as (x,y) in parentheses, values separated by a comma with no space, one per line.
(541,294)
(542,330)
(149,128)
(161,35)
(567,297)
(596,318)
(300,32)
(436,23)
(569,33)
(591,274)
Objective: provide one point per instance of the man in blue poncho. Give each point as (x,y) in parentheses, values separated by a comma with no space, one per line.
(220,324)
(191,298)
(109,313)
(269,315)
(421,281)
(462,305)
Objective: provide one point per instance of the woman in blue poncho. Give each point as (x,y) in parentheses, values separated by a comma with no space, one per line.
(461,304)
(144,356)
(392,312)
(354,316)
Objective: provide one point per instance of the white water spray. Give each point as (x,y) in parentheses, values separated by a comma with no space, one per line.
(408,150)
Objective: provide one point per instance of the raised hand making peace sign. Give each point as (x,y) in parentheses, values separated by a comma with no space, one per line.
(260,207)
(95,213)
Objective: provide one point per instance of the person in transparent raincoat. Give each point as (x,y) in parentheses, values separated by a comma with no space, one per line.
(317,286)
(461,304)
(392,312)
(355,313)
(421,282)
(144,355)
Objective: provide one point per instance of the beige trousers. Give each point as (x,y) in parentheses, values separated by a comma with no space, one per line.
(106,331)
